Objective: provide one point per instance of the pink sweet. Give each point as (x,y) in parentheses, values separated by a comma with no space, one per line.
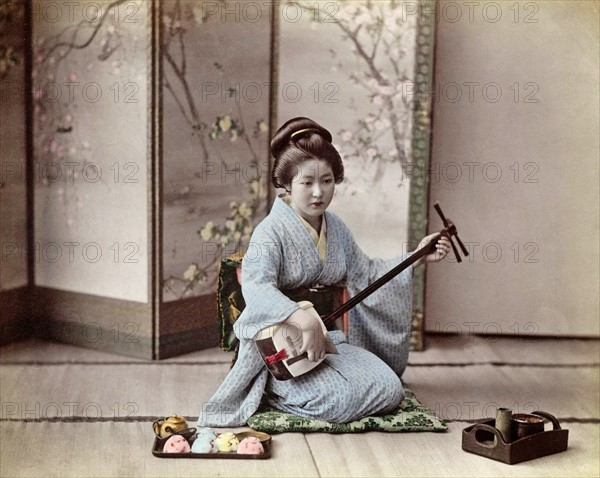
(176,444)
(250,446)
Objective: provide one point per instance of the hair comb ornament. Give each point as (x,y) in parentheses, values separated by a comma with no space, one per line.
(305,130)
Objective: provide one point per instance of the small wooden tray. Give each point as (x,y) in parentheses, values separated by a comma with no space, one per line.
(188,434)
(485,440)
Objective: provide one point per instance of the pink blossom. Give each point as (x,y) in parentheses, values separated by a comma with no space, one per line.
(68,118)
(346,135)
(363,18)
(73,76)
(377,100)
(371,152)
(386,90)
(390,23)
(351,9)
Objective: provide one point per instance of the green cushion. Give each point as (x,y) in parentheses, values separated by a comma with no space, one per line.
(411,416)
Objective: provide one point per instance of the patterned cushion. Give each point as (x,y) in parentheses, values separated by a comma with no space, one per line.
(411,416)
(230,301)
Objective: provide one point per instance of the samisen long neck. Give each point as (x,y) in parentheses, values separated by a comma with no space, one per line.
(346,306)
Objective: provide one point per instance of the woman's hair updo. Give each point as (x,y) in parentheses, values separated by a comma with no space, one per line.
(298,140)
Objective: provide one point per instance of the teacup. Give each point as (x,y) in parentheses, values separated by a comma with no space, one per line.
(524,424)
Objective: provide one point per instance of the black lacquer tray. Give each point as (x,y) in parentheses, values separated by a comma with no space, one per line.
(189,433)
(485,440)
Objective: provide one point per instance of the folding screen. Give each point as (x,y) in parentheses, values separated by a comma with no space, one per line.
(148,151)
(14,269)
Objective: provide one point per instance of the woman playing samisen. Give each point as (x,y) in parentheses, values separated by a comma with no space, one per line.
(301,244)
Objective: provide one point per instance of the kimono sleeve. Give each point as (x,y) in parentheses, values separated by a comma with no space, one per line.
(265,304)
(382,322)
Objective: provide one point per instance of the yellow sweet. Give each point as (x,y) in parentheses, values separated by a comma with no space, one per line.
(227,442)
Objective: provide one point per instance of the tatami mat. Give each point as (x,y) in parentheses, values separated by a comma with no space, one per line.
(124,450)
(36,350)
(438,454)
(454,393)
(443,349)
(475,349)
(475,392)
(70,411)
(467,392)
(139,390)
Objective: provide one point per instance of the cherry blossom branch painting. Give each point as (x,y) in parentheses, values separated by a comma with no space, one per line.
(217,128)
(379,36)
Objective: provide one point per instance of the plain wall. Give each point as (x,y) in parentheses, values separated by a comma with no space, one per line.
(517,173)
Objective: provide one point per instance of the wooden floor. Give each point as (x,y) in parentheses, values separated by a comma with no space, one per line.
(69,411)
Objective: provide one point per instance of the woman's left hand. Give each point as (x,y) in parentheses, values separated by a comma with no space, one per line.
(441,249)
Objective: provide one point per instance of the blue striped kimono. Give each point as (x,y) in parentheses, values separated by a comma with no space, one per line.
(359,381)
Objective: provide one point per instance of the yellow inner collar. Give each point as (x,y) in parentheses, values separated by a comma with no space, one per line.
(319,240)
